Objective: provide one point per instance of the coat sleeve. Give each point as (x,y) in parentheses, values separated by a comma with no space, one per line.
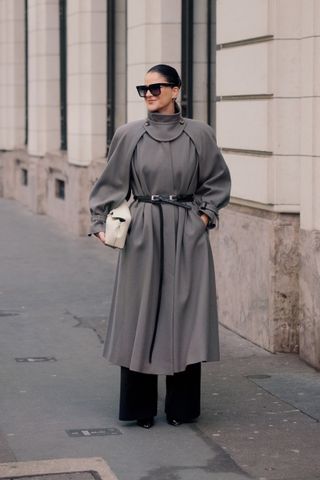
(113,186)
(214,182)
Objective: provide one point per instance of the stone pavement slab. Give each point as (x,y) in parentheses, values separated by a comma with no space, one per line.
(6,454)
(300,390)
(60,469)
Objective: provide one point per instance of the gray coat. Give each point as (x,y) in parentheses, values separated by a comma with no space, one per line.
(164,155)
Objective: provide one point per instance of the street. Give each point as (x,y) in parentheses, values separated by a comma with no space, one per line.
(59,397)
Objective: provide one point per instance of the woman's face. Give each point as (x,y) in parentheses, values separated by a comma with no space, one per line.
(162,103)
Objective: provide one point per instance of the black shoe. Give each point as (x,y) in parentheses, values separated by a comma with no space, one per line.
(145,422)
(173,421)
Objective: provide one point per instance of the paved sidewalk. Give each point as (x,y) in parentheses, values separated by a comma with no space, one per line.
(58,396)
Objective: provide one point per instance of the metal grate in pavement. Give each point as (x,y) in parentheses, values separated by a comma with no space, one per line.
(35,359)
(93,432)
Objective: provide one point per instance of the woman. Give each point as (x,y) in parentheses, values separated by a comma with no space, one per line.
(163,317)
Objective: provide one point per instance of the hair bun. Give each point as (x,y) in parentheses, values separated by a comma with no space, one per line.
(168,72)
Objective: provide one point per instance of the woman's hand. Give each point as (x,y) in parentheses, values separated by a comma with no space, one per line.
(205,219)
(101,236)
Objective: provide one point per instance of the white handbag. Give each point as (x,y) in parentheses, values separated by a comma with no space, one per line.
(117,224)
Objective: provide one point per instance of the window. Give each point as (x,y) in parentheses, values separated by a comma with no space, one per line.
(211,62)
(187,58)
(111,72)
(198,59)
(24,176)
(60,188)
(116,65)
(26,73)
(63,72)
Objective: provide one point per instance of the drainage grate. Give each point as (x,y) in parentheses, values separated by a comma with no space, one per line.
(93,432)
(35,359)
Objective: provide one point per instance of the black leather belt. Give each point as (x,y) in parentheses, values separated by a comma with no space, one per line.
(171,199)
(178,201)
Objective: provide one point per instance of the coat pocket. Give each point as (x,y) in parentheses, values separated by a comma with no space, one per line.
(199,220)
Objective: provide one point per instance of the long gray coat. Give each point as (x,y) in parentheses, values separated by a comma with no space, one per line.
(164,155)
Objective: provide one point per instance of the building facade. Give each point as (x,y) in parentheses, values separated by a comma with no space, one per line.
(250,68)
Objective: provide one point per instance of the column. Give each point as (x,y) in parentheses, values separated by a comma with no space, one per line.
(12,81)
(310,183)
(86,80)
(44,73)
(153,37)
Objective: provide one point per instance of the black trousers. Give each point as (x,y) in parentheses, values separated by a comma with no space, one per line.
(139,394)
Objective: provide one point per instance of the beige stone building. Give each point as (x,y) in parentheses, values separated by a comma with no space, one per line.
(250,68)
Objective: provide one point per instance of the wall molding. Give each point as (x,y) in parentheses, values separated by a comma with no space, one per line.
(245,41)
(248,96)
(269,207)
(244,151)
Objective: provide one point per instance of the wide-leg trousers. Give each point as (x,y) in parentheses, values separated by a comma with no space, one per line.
(139,394)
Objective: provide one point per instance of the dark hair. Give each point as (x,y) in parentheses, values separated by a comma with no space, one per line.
(168,72)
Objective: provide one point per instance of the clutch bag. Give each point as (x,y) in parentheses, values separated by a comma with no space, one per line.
(117,225)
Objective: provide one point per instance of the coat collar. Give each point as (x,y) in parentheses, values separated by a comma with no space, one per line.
(164,128)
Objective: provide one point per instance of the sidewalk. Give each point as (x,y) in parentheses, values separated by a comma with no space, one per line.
(59,397)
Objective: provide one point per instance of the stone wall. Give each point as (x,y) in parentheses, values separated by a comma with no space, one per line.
(35,182)
(256,256)
(310,297)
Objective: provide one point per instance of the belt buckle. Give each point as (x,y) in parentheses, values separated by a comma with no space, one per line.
(155,198)
(172,197)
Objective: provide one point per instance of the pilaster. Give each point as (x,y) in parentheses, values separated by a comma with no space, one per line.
(87,77)
(12,78)
(153,37)
(44,75)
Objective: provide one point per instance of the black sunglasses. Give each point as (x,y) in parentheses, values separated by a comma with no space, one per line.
(154,88)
